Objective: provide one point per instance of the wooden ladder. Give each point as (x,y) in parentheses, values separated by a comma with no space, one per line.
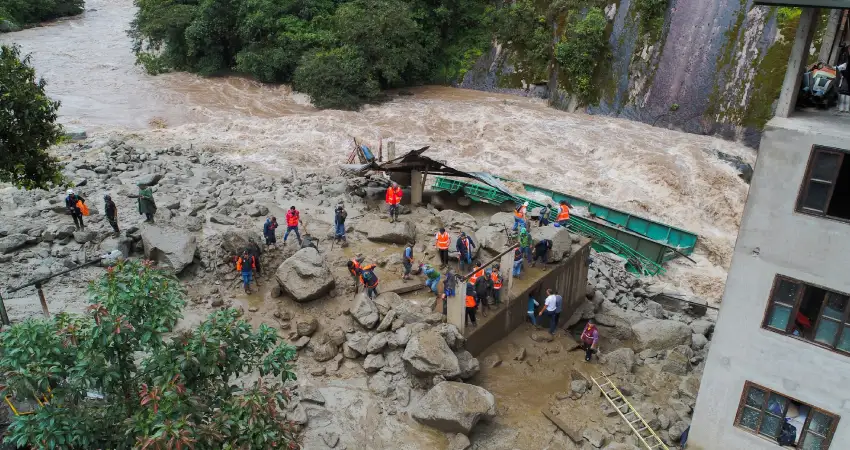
(625,409)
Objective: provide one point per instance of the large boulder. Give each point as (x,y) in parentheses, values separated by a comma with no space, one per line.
(427,354)
(454,407)
(169,247)
(502,219)
(305,276)
(400,232)
(13,242)
(562,242)
(659,334)
(469,365)
(364,311)
(620,361)
(456,220)
(233,242)
(122,244)
(492,238)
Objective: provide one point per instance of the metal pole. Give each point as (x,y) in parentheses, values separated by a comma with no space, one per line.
(43,300)
(4,316)
(496,258)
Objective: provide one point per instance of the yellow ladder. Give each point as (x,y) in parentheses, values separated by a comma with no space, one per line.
(625,409)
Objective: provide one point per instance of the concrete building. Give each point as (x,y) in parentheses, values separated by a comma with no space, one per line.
(781,348)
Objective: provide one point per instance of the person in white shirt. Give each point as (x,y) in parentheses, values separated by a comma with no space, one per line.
(550,308)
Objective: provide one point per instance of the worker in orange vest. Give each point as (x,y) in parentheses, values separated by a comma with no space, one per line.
(354,268)
(563,214)
(293,218)
(246,265)
(521,216)
(496,278)
(470,306)
(443,242)
(369,280)
(393,199)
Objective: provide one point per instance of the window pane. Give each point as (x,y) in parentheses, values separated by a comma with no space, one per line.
(770,425)
(816,196)
(827,330)
(813,442)
(755,397)
(776,404)
(825,166)
(778,318)
(844,342)
(750,418)
(835,304)
(786,292)
(820,423)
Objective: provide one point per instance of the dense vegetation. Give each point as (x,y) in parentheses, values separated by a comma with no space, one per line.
(25,12)
(27,125)
(111,378)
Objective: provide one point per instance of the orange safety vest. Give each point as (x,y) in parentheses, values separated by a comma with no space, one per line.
(355,269)
(368,267)
(240,262)
(393,195)
(470,301)
(563,214)
(478,274)
(520,213)
(292,218)
(497,281)
(443,241)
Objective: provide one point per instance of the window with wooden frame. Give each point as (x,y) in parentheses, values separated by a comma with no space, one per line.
(785,420)
(826,186)
(809,312)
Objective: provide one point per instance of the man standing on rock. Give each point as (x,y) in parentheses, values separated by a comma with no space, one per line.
(525,243)
(407,261)
(443,242)
(293,218)
(72,202)
(245,265)
(111,213)
(590,339)
(393,199)
(464,247)
(339,223)
(354,268)
(550,306)
(269,231)
(146,204)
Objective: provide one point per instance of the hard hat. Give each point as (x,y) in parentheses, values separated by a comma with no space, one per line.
(525,204)
(70,191)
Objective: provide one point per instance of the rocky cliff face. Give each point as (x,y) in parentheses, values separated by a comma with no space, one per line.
(711,67)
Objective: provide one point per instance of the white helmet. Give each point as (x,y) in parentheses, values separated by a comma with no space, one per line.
(525,204)
(70,192)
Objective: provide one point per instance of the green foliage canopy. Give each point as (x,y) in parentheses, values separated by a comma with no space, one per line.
(115,381)
(27,125)
(581,52)
(25,12)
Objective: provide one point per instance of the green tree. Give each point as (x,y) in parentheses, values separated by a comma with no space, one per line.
(25,12)
(27,125)
(581,51)
(650,16)
(338,78)
(113,380)
(522,27)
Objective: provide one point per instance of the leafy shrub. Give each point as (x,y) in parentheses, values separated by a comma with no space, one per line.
(581,51)
(651,14)
(337,78)
(24,12)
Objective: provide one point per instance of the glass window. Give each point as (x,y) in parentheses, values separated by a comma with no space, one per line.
(755,397)
(771,425)
(820,423)
(813,442)
(827,331)
(825,166)
(816,196)
(844,342)
(786,291)
(835,304)
(779,316)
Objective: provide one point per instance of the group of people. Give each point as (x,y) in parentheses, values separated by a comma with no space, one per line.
(363,274)
(522,220)
(293,220)
(76,206)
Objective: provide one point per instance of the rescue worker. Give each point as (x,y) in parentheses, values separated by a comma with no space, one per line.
(254,250)
(293,219)
(541,252)
(433,278)
(369,280)
(563,214)
(464,247)
(146,204)
(269,231)
(517,262)
(543,215)
(111,212)
(525,243)
(496,283)
(72,205)
(443,242)
(450,283)
(520,216)
(393,199)
(354,268)
(590,339)
(482,289)
(407,261)
(470,306)
(339,222)
(245,264)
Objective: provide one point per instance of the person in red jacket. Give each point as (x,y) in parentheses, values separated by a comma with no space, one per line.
(393,200)
(293,218)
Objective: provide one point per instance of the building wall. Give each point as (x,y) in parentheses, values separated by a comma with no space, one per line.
(569,278)
(774,239)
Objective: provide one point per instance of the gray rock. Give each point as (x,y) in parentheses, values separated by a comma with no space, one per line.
(428,354)
(459,441)
(451,334)
(337,336)
(306,326)
(491,238)
(324,351)
(377,343)
(149,179)
(501,220)
(221,219)
(13,242)
(578,387)
(562,241)
(122,244)
(676,363)
(387,321)
(660,334)
(703,327)
(454,407)
(311,394)
(541,336)
(468,364)
(301,342)
(676,430)
(330,438)
(169,247)
(399,338)
(347,352)
(698,341)
(374,363)
(654,309)
(411,313)
(298,415)
(364,311)
(400,232)
(358,342)
(305,276)
(620,361)
(594,437)
(457,221)
(381,384)
(402,395)
(386,301)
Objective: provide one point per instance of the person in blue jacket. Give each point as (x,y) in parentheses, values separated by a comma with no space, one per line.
(465,247)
